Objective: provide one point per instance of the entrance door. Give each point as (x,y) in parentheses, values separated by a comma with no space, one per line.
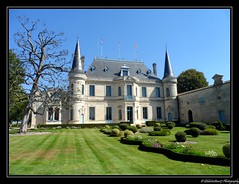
(130,114)
(170,116)
(190,116)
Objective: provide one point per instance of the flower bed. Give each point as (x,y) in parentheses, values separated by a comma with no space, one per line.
(187,158)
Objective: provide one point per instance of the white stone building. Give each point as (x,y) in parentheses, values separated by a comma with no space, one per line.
(113,91)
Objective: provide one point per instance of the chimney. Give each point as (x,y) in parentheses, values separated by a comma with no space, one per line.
(155,69)
(217,79)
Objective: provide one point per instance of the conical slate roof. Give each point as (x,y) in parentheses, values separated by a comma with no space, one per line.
(168,71)
(77,65)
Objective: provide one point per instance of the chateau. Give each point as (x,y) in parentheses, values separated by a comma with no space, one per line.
(114,91)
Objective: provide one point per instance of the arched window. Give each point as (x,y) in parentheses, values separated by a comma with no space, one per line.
(57,110)
(190,116)
(50,114)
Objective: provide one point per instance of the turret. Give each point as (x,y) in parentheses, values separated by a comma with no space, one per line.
(169,80)
(170,91)
(77,80)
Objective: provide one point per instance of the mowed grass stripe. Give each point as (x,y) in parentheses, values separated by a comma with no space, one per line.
(90,152)
(117,156)
(26,154)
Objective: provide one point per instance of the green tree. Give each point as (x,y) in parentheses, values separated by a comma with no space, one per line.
(17,96)
(191,79)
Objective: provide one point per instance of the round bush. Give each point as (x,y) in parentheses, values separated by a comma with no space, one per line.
(209,131)
(138,126)
(157,128)
(195,132)
(128,132)
(170,125)
(123,126)
(146,130)
(157,125)
(132,128)
(115,132)
(107,126)
(163,132)
(180,136)
(226,150)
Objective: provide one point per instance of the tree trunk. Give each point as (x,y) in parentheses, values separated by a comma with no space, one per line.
(25,120)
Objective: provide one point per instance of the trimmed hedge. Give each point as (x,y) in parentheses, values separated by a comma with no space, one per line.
(187,158)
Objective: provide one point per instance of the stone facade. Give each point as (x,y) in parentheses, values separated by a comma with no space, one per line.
(113,91)
(206,104)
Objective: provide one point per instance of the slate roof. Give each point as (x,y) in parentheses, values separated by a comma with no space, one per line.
(110,69)
(168,71)
(77,65)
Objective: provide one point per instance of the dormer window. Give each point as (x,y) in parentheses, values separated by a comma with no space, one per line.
(106,69)
(124,70)
(138,71)
(149,72)
(93,68)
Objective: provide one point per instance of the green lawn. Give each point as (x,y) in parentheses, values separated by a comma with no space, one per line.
(90,152)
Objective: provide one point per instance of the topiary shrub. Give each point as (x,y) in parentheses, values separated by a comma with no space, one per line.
(181,136)
(170,125)
(123,126)
(132,128)
(107,126)
(227,150)
(128,132)
(163,132)
(115,132)
(195,132)
(199,125)
(209,131)
(146,129)
(157,125)
(219,125)
(138,126)
(157,128)
(150,123)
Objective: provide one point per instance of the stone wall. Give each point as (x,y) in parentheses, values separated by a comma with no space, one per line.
(206,104)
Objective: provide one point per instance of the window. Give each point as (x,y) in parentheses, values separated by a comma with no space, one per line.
(71,114)
(92,90)
(136,91)
(50,114)
(144,94)
(108,113)
(72,89)
(157,92)
(159,112)
(82,89)
(129,90)
(108,90)
(167,92)
(145,113)
(120,114)
(57,110)
(92,113)
(119,91)
(125,72)
(221,116)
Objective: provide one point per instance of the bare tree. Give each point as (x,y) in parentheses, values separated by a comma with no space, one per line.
(45,65)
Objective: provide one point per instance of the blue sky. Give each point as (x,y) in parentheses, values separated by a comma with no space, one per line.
(195,38)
